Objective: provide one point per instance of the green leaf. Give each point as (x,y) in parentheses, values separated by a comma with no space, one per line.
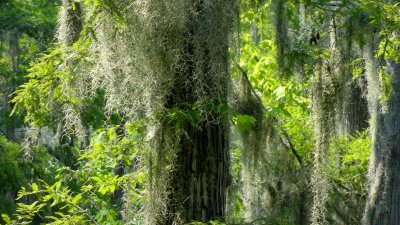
(60,214)
(244,122)
(34,187)
(76,199)
(280,92)
(6,218)
(98,180)
(22,193)
(103,189)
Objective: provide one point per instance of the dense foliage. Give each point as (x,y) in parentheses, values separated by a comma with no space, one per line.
(198,111)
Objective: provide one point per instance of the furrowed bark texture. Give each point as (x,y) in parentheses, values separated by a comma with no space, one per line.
(199,183)
(200,180)
(353,106)
(356,108)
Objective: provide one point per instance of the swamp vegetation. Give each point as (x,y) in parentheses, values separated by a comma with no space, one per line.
(169,112)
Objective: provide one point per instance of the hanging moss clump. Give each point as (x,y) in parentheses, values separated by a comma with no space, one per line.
(61,72)
(323,112)
(383,199)
(253,139)
(70,22)
(167,62)
(376,171)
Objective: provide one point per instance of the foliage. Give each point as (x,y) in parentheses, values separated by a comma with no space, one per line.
(31,14)
(209,223)
(47,89)
(348,173)
(85,196)
(17,170)
(120,85)
(351,166)
(11,175)
(27,27)
(244,122)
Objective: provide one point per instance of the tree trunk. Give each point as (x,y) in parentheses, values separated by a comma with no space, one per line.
(199,183)
(13,47)
(383,203)
(70,22)
(200,180)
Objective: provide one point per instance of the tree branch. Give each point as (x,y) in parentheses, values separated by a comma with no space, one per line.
(246,78)
(290,145)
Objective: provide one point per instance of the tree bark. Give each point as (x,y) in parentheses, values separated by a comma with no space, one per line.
(70,22)
(200,179)
(383,203)
(13,48)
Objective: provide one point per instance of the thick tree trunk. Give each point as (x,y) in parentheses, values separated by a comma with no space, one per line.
(13,43)
(383,203)
(176,54)
(13,47)
(70,22)
(354,115)
(282,39)
(200,180)
(199,183)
